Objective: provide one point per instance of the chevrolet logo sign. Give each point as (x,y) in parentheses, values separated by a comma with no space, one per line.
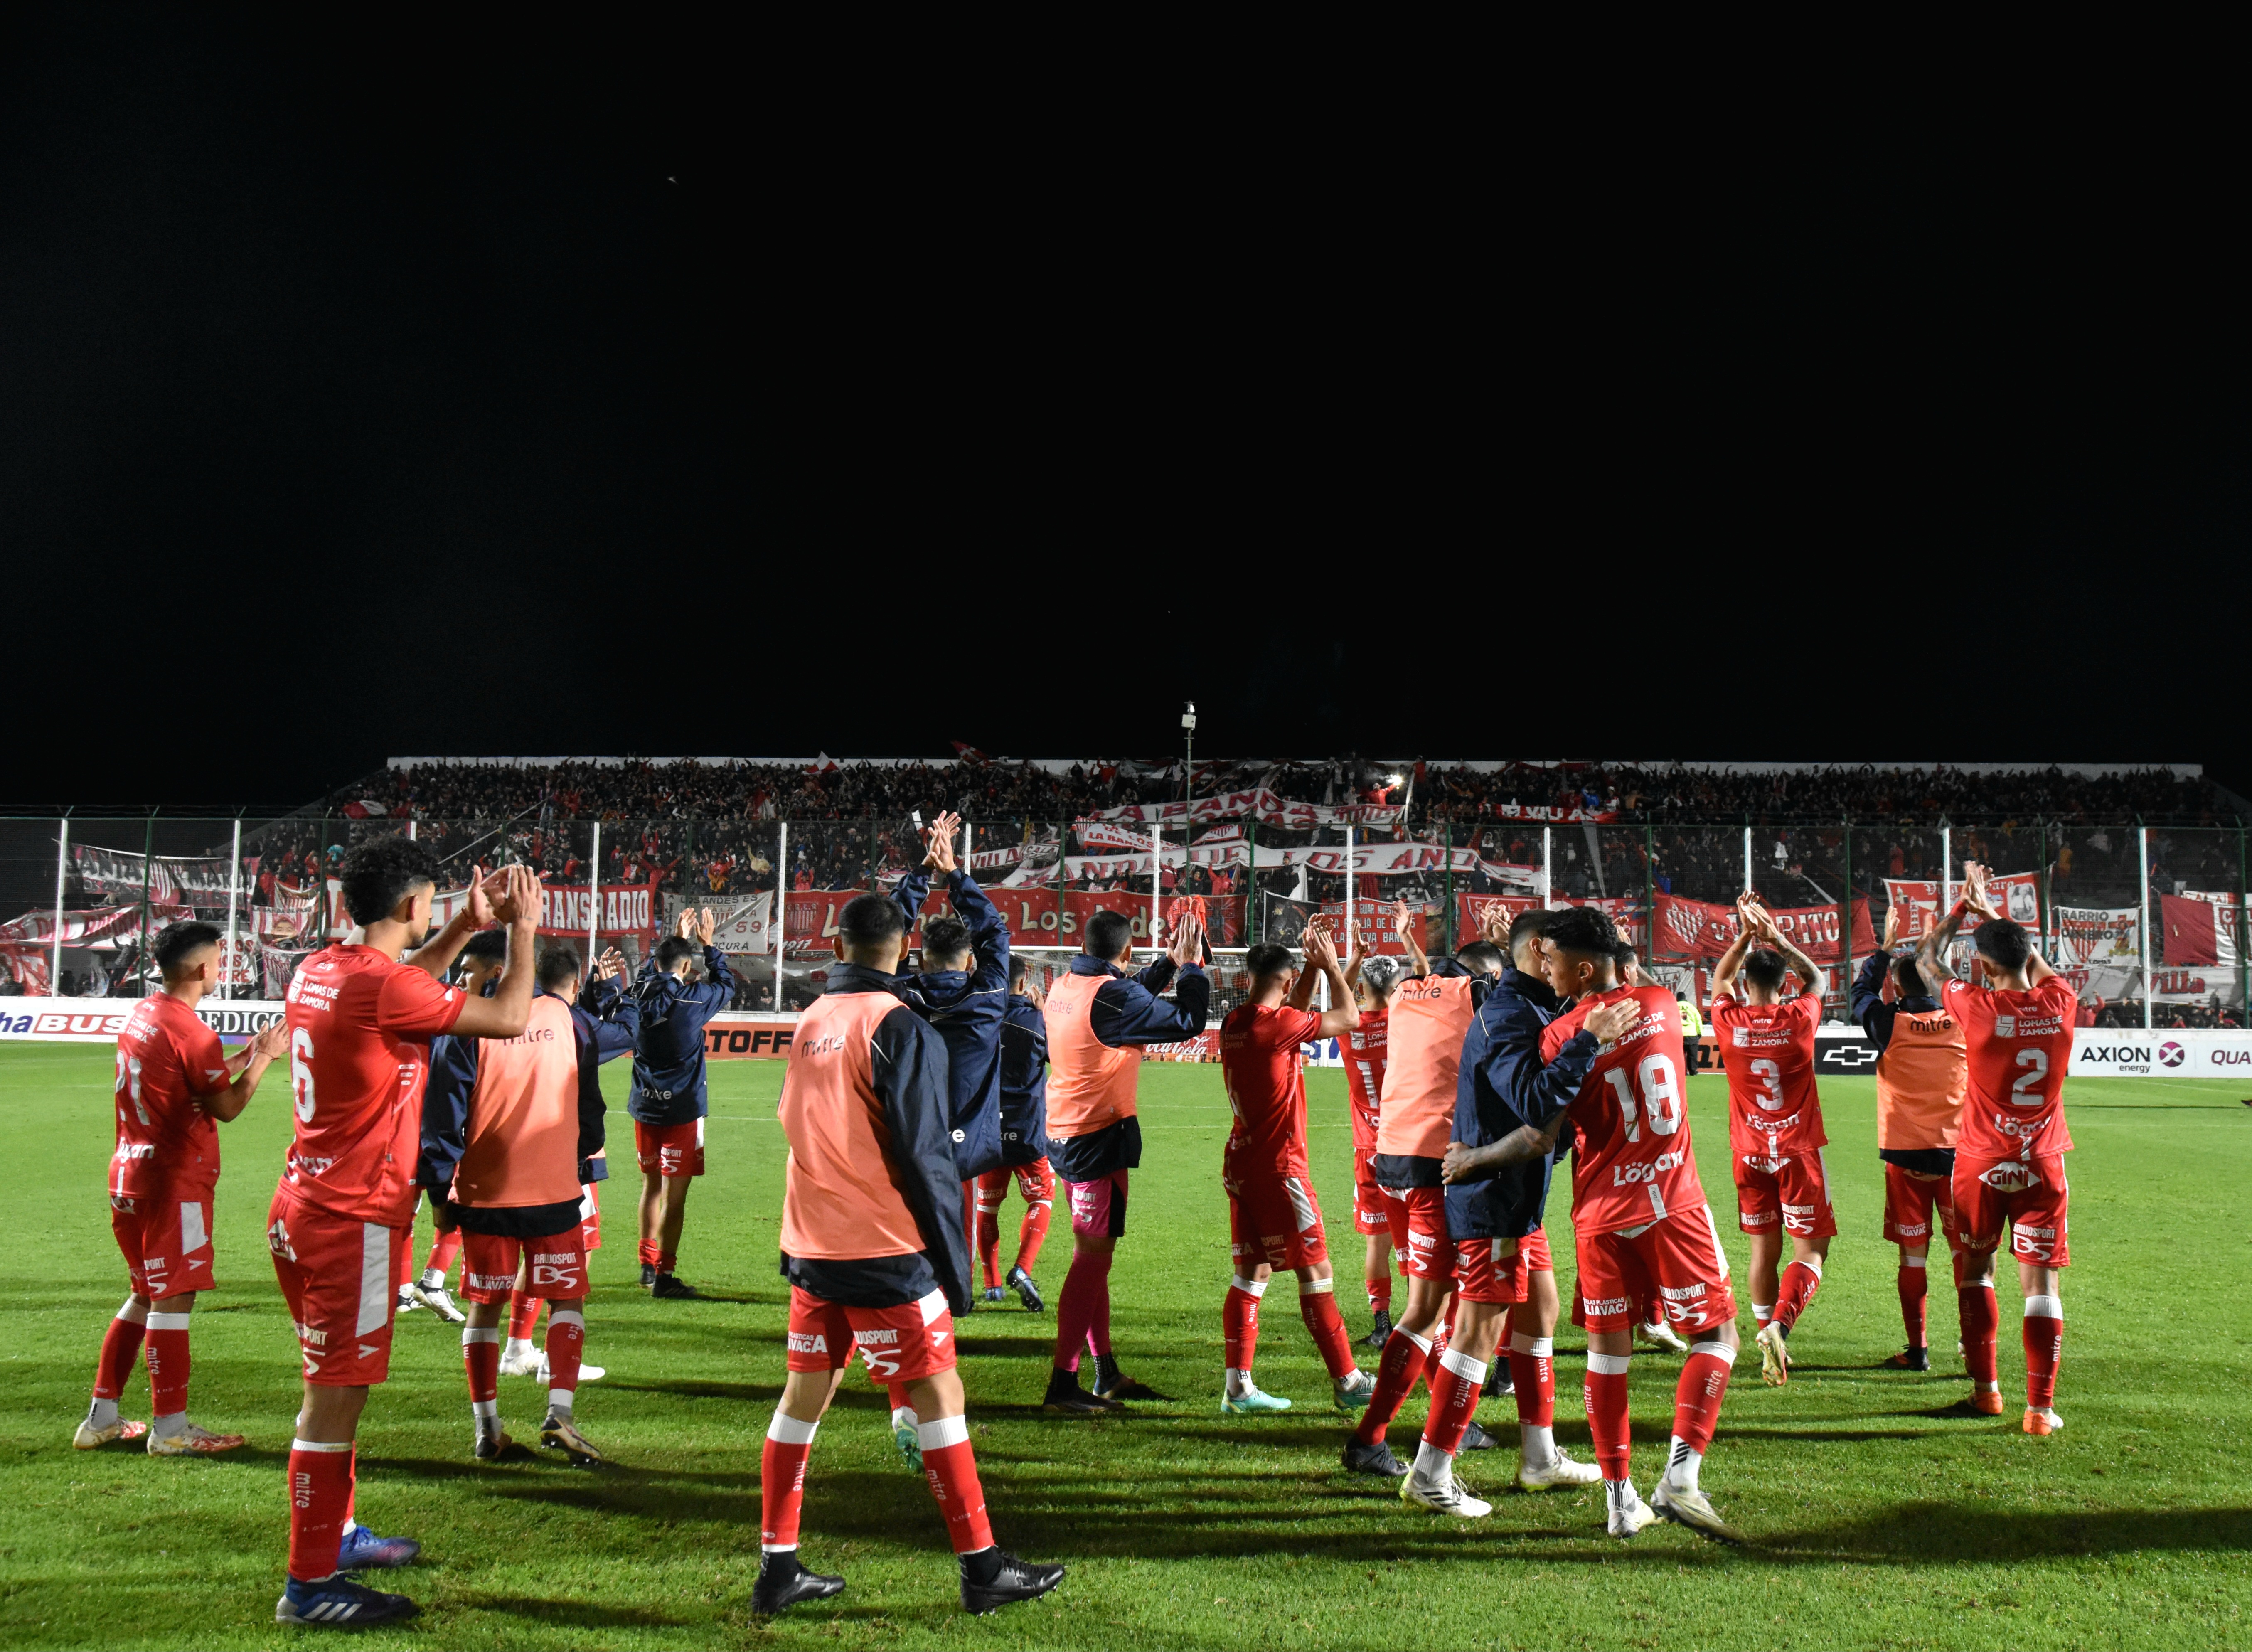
(1851,1055)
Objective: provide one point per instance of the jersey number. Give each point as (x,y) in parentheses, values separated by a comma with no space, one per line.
(1660,1097)
(301,1072)
(1769,1096)
(2025,1092)
(129,1083)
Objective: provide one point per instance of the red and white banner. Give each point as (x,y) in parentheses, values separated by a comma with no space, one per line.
(2091,937)
(117,874)
(745,927)
(2015,895)
(1375,935)
(1705,929)
(568,909)
(1261,805)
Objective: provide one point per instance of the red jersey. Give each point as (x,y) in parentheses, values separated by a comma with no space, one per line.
(1265,1088)
(1768,1051)
(2019,1045)
(167,1146)
(360,1027)
(1364,1049)
(1633,1163)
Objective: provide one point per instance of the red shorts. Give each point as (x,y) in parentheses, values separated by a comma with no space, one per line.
(554,1267)
(1675,1263)
(900,1343)
(1792,1191)
(1369,1215)
(1098,1208)
(1274,1219)
(1428,1252)
(670,1150)
(590,1217)
(1912,1201)
(166,1242)
(2034,1199)
(1035,1181)
(1395,1210)
(1489,1270)
(339,1274)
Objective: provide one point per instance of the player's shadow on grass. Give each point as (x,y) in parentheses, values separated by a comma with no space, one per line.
(761,1393)
(1919,1533)
(1005,1347)
(575,1614)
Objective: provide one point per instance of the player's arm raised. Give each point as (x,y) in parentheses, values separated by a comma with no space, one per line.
(1931,951)
(1302,989)
(1724,970)
(1403,924)
(507,1012)
(436,956)
(1344,1013)
(1809,972)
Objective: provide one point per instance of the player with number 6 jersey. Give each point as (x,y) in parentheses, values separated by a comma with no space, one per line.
(1642,1228)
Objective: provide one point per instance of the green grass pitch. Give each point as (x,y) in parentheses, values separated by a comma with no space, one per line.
(1877,1518)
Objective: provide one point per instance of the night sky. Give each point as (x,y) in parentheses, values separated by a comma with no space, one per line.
(670,390)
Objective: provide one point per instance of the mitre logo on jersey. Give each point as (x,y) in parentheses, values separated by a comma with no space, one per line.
(827,1045)
(808,1343)
(2011,1177)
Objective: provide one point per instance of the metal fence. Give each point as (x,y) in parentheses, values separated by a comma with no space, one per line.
(2146,919)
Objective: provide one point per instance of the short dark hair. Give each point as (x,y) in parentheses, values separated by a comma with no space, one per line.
(1108,935)
(672,950)
(1484,955)
(1763,967)
(1623,953)
(1582,929)
(176,940)
(946,938)
(1020,970)
(870,920)
(1909,978)
(1267,960)
(2003,942)
(557,964)
(489,945)
(1524,926)
(379,874)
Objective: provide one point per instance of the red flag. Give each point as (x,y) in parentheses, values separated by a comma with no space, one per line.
(2189,934)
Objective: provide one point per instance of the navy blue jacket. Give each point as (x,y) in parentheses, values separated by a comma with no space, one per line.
(1503,1084)
(907,1066)
(966,1006)
(606,1022)
(668,1069)
(1024,1082)
(1874,1014)
(1126,1011)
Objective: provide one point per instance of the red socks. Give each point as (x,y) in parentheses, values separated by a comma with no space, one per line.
(1532,1368)
(1981,1318)
(567,1348)
(1697,1397)
(951,1467)
(1915,1300)
(1032,1232)
(648,1253)
(1238,1321)
(1075,1307)
(665,1261)
(2044,1335)
(120,1346)
(1800,1280)
(987,1236)
(1405,1353)
(320,1505)
(166,1352)
(481,1359)
(445,1248)
(1379,1295)
(1430,1373)
(1317,1307)
(1607,1412)
(781,1478)
(1453,1400)
(522,1316)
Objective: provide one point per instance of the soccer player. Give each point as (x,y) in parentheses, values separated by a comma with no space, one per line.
(1642,1228)
(606,1020)
(1375,980)
(2009,1158)
(1098,1017)
(873,1250)
(1275,1219)
(962,990)
(453,1074)
(1431,1015)
(175,1085)
(667,1102)
(1776,1136)
(1650,1328)
(1023,1144)
(1496,1171)
(1920,1086)
(515,1188)
(360,1025)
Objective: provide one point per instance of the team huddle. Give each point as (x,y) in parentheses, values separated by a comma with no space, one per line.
(462,1064)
